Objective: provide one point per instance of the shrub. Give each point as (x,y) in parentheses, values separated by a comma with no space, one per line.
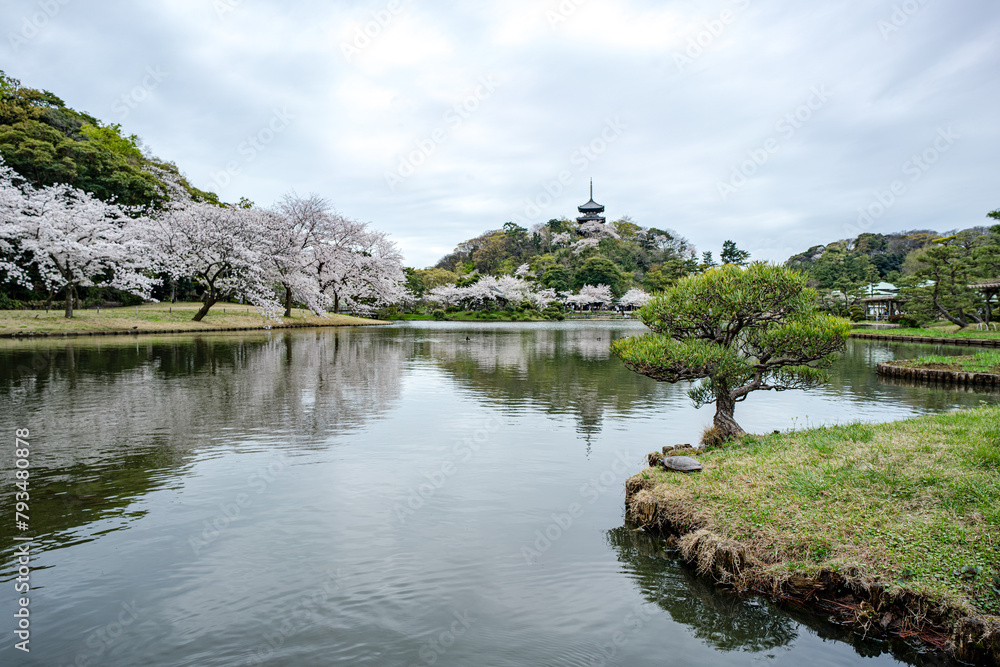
(438,314)
(908,321)
(7,303)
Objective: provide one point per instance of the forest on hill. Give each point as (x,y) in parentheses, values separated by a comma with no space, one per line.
(48,143)
(565,255)
(933,272)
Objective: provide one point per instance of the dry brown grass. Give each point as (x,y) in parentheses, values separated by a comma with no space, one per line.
(157,318)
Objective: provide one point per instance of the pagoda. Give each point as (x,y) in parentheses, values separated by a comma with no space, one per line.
(591,211)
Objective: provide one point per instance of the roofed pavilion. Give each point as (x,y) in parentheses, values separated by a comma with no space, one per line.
(591,211)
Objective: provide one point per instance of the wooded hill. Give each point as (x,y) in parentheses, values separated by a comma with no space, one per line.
(47,143)
(565,255)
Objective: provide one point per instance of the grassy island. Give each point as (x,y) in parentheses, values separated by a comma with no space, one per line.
(158,318)
(939,334)
(892,527)
(984,362)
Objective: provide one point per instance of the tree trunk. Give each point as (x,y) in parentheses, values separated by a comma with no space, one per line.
(288,301)
(336,303)
(70,298)
(209,302)
(724,421)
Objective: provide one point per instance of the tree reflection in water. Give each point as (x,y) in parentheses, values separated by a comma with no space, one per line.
(114,419)
(721,619)
(730,622)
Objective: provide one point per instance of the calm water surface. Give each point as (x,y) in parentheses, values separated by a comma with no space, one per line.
(427,493)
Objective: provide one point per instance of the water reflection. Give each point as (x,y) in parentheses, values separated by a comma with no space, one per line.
(113,420)
(722,619)
(139,442)
(728,621)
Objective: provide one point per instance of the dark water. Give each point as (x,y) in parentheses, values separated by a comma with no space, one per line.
(393,496)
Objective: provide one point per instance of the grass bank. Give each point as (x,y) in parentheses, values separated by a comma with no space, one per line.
(892,527)
(950,331)
(984,362)
(157,318)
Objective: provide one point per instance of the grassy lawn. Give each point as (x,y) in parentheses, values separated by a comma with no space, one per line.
(984,362)
(155,317)
(913,505)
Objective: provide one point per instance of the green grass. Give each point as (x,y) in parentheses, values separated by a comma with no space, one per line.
(984,362)
(156,317)
(914,504)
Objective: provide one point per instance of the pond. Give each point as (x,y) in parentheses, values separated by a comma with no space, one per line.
(426,493)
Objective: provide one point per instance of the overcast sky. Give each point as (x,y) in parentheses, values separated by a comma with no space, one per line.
(774,123)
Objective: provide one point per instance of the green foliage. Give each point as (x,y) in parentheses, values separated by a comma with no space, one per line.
(46,142)
(557,277)
(944,271)
(438,314)
(642,257)
(733,255)
(601,271)
(739,330)
(427,279)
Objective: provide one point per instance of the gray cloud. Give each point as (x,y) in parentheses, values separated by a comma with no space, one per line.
(699,98)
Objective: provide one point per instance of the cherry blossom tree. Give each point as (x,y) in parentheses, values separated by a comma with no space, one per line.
(221,248)
(543,298)
(634,298)
(355,266)
(598,230)
(71,238)
(298,226)
(446,295)
(592,294)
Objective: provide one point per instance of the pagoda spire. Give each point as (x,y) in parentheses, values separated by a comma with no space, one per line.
(591,211)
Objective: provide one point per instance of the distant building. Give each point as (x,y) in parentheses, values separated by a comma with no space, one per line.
(591,211)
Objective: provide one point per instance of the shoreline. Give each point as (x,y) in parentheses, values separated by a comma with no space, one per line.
(935,340)
(917,374)
(147,332)
(159,319)
(762,518)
